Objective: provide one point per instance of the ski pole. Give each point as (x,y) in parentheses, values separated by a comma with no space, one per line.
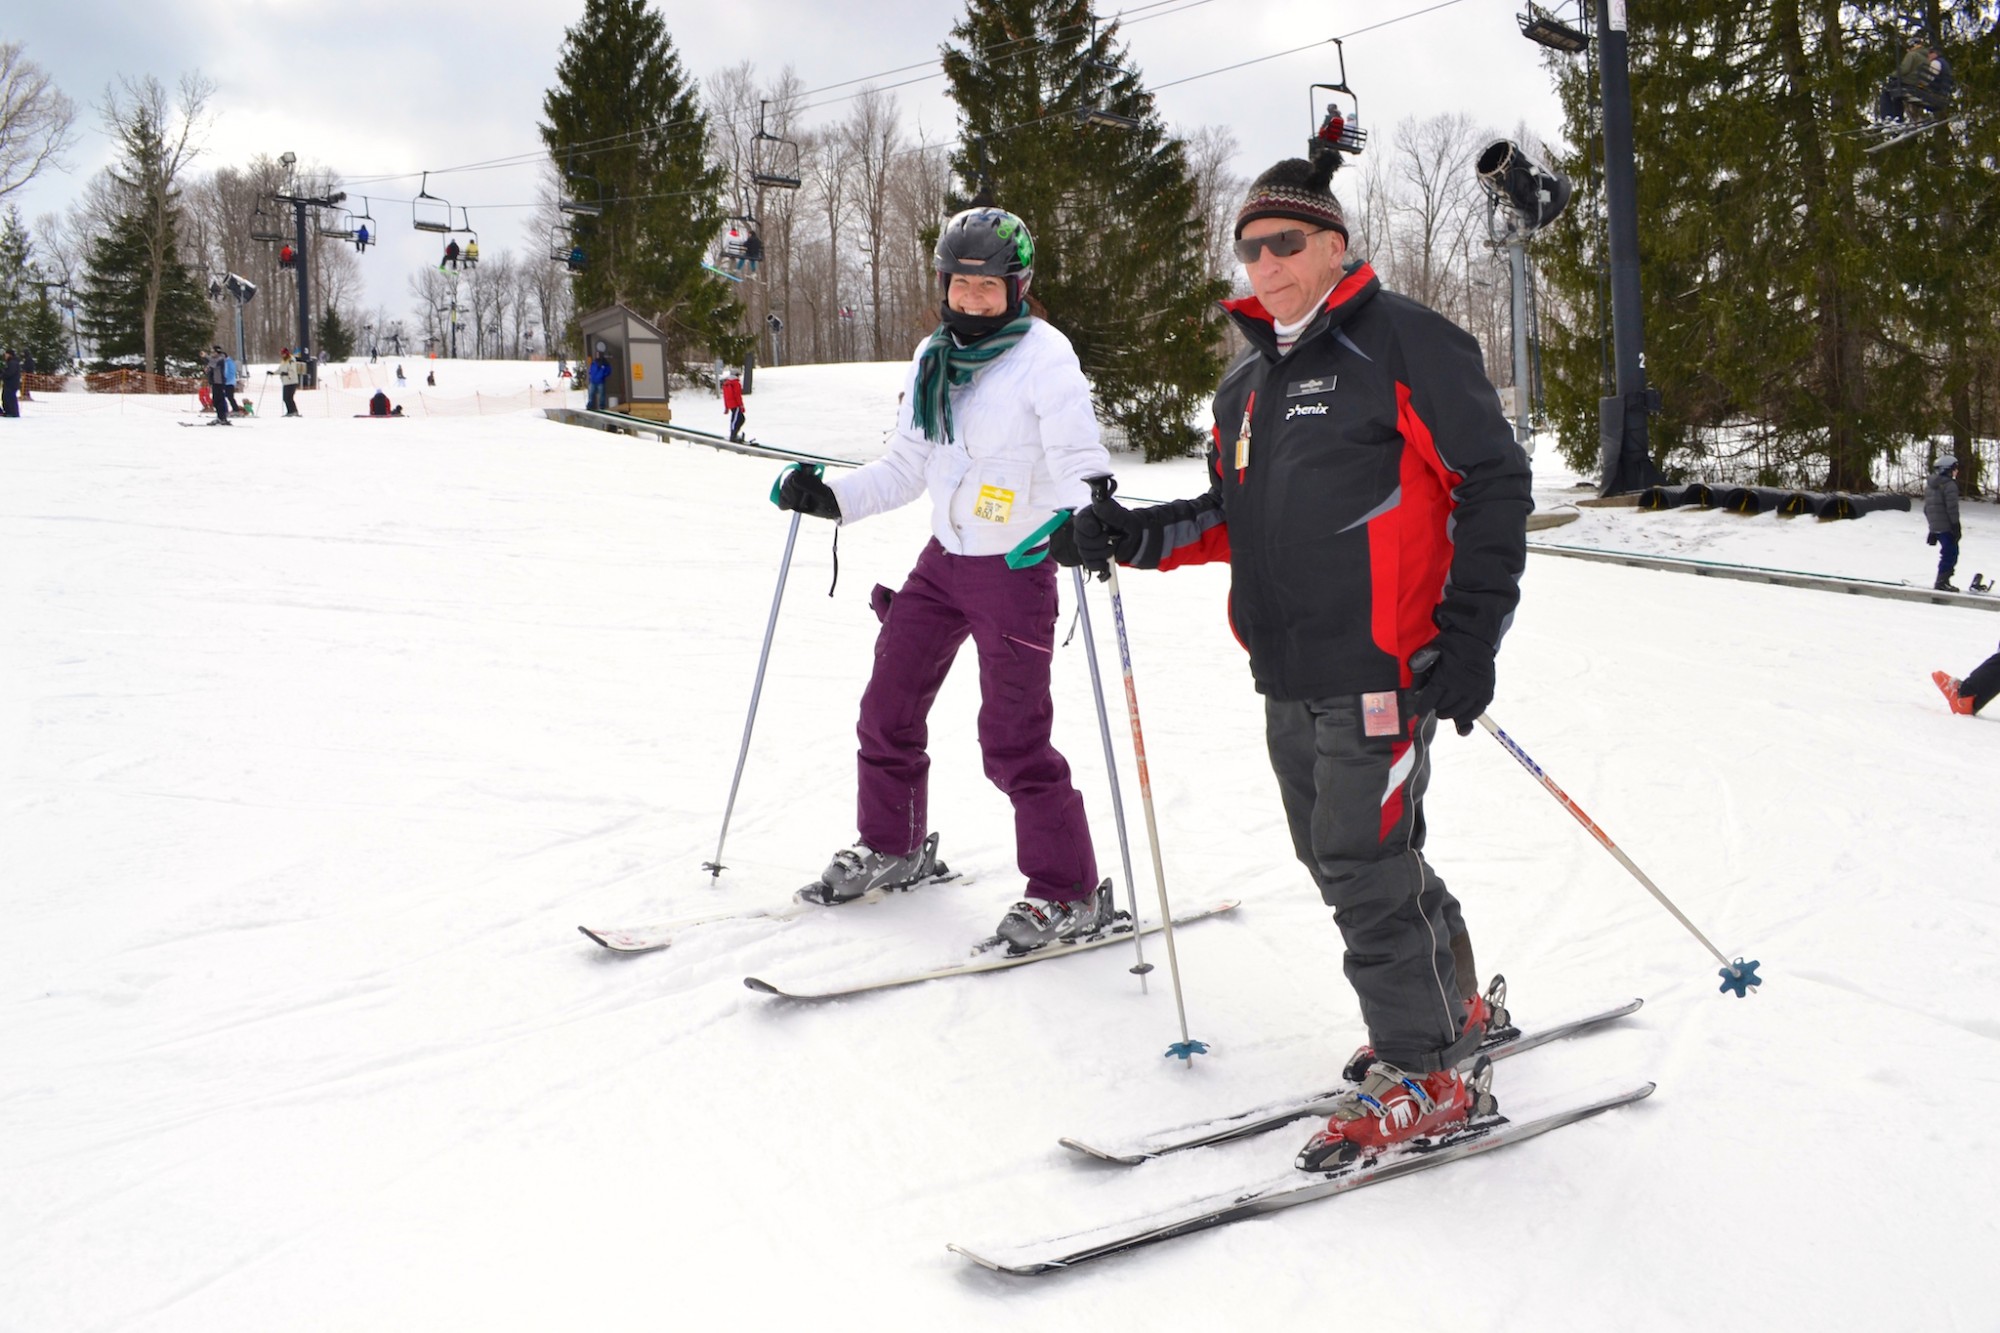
(1186,1048)
(1032,550)
(1737,976)
(1141,967)
(715,867)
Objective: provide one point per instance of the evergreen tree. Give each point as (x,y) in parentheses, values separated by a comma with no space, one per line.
(1784,268)
(123,304)
(28,319)
(336,340)
(624,114)
(1118,229)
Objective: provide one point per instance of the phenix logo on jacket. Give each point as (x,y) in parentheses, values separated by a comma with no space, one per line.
(1359,525)
(1025,437)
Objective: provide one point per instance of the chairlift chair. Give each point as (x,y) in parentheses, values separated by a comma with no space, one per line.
(773,161)
(363,222)
(564,247)
(1540,26)
(578,202)
(469,252)
(428,212)
(263,228)
(1093,112)
(342,228)
(1335,127)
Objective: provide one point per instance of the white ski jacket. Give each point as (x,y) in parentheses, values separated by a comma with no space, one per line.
(1026,437)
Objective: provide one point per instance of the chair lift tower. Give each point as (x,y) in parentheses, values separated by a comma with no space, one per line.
(301,265)
(1522,198)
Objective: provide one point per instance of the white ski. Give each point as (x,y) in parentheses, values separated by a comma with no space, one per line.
(1287,1191)
(1276,1115)
(1117,935)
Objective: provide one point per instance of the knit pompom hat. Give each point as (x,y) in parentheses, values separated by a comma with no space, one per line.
(1295,188)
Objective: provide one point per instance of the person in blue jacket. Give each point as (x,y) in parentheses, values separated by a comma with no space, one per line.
(600,381)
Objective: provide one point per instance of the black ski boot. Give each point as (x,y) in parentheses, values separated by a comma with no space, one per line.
(859,870)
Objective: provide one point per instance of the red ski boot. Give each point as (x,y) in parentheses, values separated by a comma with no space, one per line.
(1486,1012)
(1392,1108)
(1949,685)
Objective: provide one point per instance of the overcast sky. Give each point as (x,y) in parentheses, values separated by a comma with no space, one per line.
(373,88)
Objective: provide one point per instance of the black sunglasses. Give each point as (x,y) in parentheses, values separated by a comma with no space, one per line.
(1283,244)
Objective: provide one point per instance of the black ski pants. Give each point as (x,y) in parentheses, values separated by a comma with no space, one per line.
(1982,684)
(1355,806)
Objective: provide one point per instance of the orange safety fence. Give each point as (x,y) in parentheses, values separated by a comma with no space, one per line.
(135,381)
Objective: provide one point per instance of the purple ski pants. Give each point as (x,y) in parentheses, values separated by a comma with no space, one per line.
(1010,615)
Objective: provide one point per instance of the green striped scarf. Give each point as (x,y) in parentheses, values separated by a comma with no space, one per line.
(944,364)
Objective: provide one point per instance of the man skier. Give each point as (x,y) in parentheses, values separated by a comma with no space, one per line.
(1372,504)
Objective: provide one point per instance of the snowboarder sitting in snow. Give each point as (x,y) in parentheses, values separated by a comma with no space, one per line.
(1941,513)
(998,427)
(378,406)
(1976,691)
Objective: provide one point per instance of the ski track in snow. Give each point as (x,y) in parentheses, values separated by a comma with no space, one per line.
(317,742)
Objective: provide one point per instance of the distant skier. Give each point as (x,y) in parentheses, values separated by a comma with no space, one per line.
(471,255)
(217,384)
(450,255)
(999,428)
(1941,513)
(361,238)
(400,381)
(600,382)
(289,374)
(10,385)
(229,373)
(732,404)
(1976,691)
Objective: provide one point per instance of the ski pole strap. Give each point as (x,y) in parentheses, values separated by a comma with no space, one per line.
(1024,555)
(819,470)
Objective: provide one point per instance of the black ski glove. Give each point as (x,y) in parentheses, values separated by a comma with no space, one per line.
(803,490)
(1957,533)
(1065,549)
(1453,675)
(1930,539)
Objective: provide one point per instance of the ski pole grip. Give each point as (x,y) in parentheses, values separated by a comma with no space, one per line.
(1024,555)
(779,481)
(1101,487)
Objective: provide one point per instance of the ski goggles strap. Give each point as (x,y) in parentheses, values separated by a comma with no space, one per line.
(1025,555)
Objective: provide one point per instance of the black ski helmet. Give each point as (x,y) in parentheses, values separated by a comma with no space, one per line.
(989,241)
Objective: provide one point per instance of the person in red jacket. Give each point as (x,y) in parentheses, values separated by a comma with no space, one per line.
(1372,505)
(732,403)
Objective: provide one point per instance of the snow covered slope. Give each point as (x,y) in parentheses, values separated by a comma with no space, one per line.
(319,738)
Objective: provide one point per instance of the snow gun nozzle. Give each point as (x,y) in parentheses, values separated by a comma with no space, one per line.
(1741,977)
(1187,1050)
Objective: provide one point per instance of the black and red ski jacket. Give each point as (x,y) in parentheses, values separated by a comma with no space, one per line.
(1381,498)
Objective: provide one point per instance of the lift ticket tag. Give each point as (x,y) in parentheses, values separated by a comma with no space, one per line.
(1243,443)
(1378,714)
(994,504)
